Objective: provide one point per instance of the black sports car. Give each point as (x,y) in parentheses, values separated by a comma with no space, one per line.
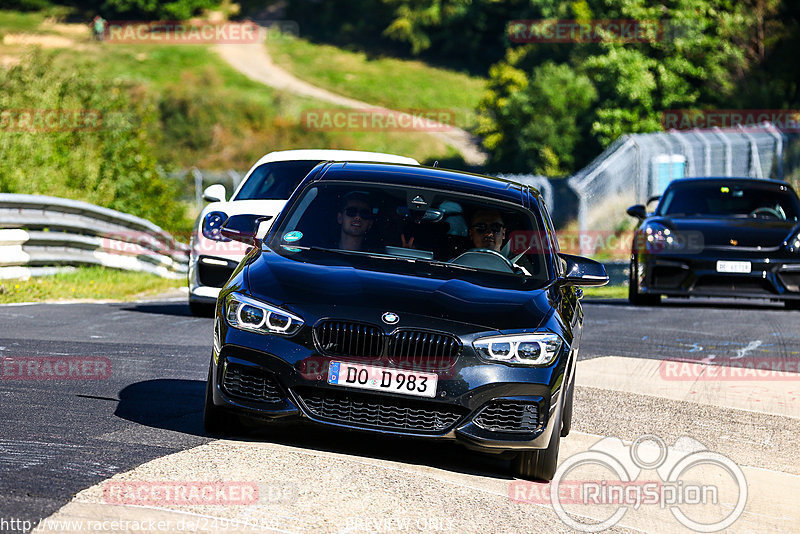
(718,237)
(404,300)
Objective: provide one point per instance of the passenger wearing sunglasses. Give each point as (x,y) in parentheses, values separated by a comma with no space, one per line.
(487,230)
(355,217)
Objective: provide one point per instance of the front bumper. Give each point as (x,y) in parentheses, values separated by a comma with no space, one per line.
(771,276)
(207,276)
(484,406)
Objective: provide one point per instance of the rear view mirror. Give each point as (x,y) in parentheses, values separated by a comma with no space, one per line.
(214,193)
(245,228)
(638,211)
(582,271)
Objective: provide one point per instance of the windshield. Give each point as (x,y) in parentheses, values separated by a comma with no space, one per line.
(458,233)
(738,200)
(275,180)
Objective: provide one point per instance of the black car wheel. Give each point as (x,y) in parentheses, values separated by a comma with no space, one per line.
(636,298)
(540,464)
(218,421)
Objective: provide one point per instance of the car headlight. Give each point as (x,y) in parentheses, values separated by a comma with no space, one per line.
(212,223)
(793,243)
(658,237)
(520,349)
(246,313)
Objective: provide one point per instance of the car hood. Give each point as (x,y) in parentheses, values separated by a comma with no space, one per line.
(342,291)
(732,231)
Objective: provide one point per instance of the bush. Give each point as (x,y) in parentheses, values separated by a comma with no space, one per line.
(109,162)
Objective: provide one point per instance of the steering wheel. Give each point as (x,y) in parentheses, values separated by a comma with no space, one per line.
(484,258)
(767,211)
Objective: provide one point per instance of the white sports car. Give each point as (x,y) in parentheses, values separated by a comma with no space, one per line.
(264,190)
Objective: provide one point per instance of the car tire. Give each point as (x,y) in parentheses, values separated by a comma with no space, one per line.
(792,304)
(201,309)
(218,421)
(539,464)
(566,417)
(636,298)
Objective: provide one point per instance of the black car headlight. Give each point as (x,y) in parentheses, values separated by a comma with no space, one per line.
(793,243)
(212,223)
(247,313)
(538,349)
(658,237)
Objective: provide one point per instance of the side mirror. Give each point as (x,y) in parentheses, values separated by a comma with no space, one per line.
(214,193)
(582,271)
(638,211)
(247,229)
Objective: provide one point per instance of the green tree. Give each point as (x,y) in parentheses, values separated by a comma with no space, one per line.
(104,158)
(533,123)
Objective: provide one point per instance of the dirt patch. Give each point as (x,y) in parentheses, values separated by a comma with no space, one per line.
(45,41)
(9,61)
(74,30)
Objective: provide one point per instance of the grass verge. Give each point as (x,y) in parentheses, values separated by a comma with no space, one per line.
(393,83)
(606,292)
(86,283)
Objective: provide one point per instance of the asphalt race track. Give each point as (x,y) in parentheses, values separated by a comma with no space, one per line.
(139,418)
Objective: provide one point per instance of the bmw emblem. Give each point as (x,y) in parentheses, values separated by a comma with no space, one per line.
(390,318)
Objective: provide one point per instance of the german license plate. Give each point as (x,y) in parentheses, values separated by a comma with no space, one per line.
(733,267)
(375,378)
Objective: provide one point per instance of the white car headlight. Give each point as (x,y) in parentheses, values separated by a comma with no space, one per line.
(520,349)
(247,313)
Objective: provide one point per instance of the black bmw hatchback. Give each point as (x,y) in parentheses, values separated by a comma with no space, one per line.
(404,300)
(718,237)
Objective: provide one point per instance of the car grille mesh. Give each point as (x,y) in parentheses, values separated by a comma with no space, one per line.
(423,350)
(240,381)
(406,348)
(339,338)
(509,417)
(378,412)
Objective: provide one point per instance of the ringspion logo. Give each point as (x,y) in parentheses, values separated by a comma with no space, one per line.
(593,490)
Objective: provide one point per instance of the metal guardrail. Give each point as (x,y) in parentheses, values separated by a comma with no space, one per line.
(38,232)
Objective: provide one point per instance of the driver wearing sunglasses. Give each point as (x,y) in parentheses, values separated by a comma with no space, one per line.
(355,217)
(487,230)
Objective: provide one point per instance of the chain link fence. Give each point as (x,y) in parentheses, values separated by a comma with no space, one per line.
(637,167)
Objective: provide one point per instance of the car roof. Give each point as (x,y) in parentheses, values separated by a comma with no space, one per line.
(427,177)
(333,155)
(767,183)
